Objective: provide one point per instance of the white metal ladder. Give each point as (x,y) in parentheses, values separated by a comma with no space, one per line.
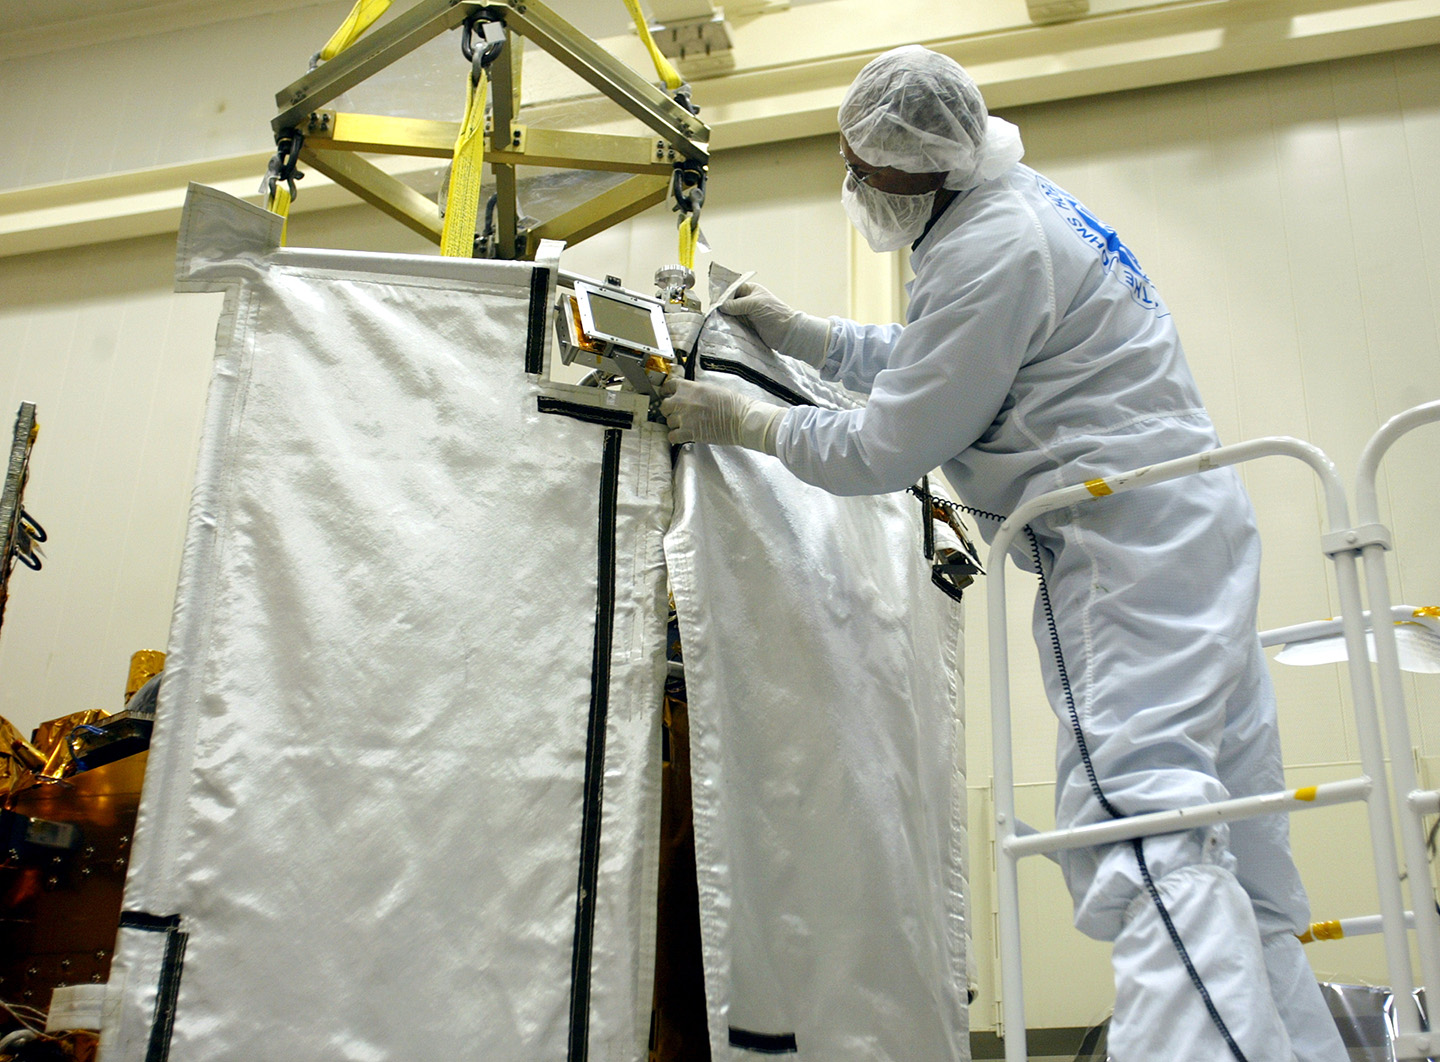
(1344,544)
(1411,803)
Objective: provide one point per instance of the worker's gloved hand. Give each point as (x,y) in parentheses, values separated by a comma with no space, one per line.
(802,336)
(707,413)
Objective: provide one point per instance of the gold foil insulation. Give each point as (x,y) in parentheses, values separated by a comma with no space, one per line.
(20,761)
(53,739)
(144,666)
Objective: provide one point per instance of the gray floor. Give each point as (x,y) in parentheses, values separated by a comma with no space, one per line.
(1045,1045)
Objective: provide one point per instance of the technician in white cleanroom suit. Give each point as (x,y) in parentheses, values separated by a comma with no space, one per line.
(1038,355)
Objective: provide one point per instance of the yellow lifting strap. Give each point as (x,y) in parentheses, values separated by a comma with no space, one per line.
(362,16)
(462,202)
(689,238)
(689,222)
(663,66)
(278,202)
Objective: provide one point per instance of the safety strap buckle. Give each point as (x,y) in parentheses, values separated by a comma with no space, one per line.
(1355,539)
(687,186)
(486,31)
(284,164)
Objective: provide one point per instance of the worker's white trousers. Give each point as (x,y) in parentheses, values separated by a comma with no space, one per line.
(1153,595)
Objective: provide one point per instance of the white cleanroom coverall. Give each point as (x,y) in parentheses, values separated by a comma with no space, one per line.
(1037,355)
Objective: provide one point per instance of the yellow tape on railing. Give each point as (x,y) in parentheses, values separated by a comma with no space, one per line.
(689,238)
(1322,931)
(462,202)
(362,16)
(663,67)
(278,202)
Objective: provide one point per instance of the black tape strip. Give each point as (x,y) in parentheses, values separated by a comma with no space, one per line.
(927,519)
(759,379)
(951,590)
(595,753)
(149,922)
(610,418)
(535,333)
(764,1043)
(167,995)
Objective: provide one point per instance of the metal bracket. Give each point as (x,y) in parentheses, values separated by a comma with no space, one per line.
(633,369)
(701,47)
(1353,540)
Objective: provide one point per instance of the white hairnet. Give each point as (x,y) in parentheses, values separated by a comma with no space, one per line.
(919,111)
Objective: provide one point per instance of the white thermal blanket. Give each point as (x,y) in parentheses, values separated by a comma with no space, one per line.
(419,622)
(827,750)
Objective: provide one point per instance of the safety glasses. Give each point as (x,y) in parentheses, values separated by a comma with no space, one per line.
(856,175)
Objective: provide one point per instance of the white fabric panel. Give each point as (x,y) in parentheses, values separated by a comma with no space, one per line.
(827,750)
(386,708)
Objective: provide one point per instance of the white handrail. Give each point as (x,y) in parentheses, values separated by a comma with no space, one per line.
(1392,695)
(1326,628)
(1191,818)
(1010,846)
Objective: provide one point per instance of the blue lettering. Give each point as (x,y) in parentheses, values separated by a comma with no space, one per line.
(1115,257)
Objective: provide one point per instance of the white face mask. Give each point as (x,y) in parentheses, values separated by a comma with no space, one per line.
(886,220)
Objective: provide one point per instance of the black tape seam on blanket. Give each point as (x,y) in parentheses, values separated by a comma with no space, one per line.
(610,418)
(147,921)
(535,333)
(946,587)
(927,520)
(754,376)
(764,1043)
(167,989)
(593,794)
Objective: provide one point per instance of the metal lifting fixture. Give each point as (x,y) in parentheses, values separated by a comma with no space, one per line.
(673,161)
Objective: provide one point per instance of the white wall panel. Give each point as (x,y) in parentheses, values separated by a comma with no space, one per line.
(117,369)
(193,93)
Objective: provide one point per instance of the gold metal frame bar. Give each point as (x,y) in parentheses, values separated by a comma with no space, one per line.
(370,54)
(606,209)
(377,188)
(341,131)
(536,22)
(427,138)
(502,112)
(586,151)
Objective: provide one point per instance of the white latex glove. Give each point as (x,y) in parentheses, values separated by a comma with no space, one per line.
(707,413)
(802,336)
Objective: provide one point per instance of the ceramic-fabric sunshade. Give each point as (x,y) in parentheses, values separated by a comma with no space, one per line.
(827,748)
(403,785)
